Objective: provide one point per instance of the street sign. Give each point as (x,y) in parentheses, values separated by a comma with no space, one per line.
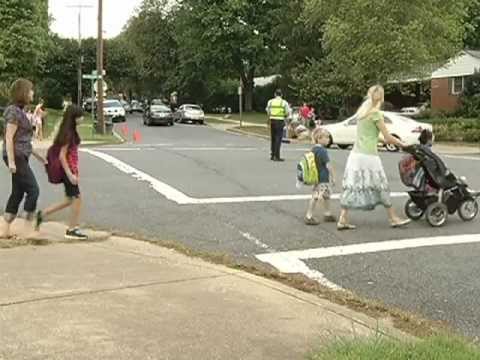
(91,77)
(95,72)
(105,86)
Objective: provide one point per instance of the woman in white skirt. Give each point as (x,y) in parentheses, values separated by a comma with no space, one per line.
(365,184)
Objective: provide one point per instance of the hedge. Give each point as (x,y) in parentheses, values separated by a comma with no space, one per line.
(456,129)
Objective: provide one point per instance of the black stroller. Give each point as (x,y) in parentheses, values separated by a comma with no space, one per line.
(437,191)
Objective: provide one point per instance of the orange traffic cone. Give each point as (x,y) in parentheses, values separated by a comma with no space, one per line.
(137,136)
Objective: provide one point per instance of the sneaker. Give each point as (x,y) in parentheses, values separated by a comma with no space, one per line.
(38,220)
(311,221)
(75,234)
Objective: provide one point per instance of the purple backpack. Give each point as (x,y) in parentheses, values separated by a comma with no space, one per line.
(54,167)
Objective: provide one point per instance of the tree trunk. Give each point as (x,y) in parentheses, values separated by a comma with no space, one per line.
(248,87)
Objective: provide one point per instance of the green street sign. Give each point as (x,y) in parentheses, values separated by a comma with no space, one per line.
(91,77)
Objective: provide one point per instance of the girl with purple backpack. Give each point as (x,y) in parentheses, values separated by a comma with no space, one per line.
(62,168)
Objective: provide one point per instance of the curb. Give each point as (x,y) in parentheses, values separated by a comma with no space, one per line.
(247,133)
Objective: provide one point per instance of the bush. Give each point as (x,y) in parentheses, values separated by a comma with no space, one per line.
(470,99)
(470,106)
(456,129)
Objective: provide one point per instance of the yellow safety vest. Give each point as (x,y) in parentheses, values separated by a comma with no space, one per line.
(277,109)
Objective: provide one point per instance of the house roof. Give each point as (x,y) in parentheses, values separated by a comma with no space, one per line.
(265,80)
(465,64)
(475,53)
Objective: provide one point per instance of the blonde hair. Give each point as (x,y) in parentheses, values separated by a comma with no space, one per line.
(20,92)
(318,134)
(373,103)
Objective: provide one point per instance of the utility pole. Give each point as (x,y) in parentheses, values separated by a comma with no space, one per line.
(100,117)
(80,56)
(240,100)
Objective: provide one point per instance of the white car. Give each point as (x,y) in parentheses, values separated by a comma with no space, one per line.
(413,110)
(126,106)
(115,110)
(344,134)
(188,112)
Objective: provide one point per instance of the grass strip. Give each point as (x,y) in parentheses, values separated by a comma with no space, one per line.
(381,348)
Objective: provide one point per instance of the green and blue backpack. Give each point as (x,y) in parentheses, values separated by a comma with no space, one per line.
(307,172)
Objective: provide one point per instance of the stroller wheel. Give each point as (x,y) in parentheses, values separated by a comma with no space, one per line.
(468,210)
(413,211)
(437,214)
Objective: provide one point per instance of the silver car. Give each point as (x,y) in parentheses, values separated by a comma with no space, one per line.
(190,113)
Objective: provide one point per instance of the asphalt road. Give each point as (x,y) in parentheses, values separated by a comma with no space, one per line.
(440,282)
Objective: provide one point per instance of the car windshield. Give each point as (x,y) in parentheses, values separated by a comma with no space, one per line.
(112,104)
(192,107)
(157,102)
(159,108)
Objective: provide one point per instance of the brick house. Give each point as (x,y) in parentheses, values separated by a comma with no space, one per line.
(448,82)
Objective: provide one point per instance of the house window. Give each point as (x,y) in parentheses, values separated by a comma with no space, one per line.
(458,84)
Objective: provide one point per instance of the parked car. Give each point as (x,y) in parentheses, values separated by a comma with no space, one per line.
(157,102)
(158,114)
(115,110)
(189,112)
(414,110)
(344,134)
(136,106)
(88,104)
(126,105)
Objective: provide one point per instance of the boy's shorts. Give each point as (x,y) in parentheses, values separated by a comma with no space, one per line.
(71,191)
(322,190)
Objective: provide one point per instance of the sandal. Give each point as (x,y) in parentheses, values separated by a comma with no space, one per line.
(311,221)
(400,223)
(341,227)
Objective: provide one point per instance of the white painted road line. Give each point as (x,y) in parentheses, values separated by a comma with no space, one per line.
(291,262)
(166,190)
(214,149)
(374,247)
(269,198)
(256,241)
(474,158)
(182,199)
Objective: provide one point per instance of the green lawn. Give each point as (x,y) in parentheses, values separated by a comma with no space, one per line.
(253,117)
(87,133)
(380,348)
(85,129)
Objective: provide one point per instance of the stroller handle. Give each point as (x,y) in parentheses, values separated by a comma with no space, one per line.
(411,149)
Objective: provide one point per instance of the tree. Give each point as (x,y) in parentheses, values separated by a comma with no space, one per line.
(232,38)
(59,70)
(23,39)
(150,35)
(472,25)
(374,41)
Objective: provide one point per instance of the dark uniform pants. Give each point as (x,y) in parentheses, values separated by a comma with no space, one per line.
(276,130)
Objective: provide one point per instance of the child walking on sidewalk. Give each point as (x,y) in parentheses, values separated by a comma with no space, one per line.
(323,189)
(63,163)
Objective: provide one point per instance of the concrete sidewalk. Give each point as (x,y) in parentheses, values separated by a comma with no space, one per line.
(125,299)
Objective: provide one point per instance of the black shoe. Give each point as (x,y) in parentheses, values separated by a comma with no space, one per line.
(272,158)
(38,220)
(279,159)
(75,234)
